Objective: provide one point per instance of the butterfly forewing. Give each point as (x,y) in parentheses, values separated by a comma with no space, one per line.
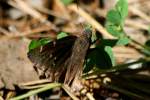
(76,61)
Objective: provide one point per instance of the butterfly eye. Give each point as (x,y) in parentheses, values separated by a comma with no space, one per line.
(88,32)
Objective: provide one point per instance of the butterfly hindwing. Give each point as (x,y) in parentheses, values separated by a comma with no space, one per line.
(49,59)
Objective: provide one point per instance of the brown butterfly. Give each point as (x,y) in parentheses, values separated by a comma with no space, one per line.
(63,59)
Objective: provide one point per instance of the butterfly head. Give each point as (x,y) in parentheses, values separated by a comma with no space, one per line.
(88,32)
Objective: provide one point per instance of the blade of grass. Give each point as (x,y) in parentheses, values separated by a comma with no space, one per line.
(32,92)
(121,90)
(141,45)
(144,78)
(116,68)
(130,84)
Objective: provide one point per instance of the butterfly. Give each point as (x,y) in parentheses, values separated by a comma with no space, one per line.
(62,59)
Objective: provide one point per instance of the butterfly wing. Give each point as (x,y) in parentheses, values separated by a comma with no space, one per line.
(76,61)
(65,55)
(49,59)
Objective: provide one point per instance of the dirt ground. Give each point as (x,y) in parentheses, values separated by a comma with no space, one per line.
(14,64)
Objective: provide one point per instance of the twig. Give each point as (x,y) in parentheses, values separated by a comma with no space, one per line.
(90,20)
(1,98)
(127,56)
(19,4)
(68,90)
(23,6)
(42,81)
(136,24)
(50,12)
(32,87)
(59,6)
(126,52)
(26,33)
(90,97)
(139,13)
(4,31)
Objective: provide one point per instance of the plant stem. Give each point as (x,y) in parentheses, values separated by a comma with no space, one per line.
(141,45)
(123,91)
(116,68)
(32,92)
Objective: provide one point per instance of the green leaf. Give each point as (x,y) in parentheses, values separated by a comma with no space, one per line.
(62,35)
(123,41)
(115,30)
(122,8)
(45,41)
(106,42)
(36,43)
(114,17)
(33,44)
(66,2)
(147,43)
(89,64)
(99,58)
(113,42)
(109,51)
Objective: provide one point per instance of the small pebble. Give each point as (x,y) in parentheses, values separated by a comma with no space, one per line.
(98,80)
(83,91)
(87,83)
(106,80)
(115,95)
(96,85)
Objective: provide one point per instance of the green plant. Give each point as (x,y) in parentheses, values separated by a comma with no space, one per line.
(124,79)
(66,2)
(100,58)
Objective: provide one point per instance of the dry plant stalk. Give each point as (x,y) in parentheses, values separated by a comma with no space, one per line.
(91,21)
